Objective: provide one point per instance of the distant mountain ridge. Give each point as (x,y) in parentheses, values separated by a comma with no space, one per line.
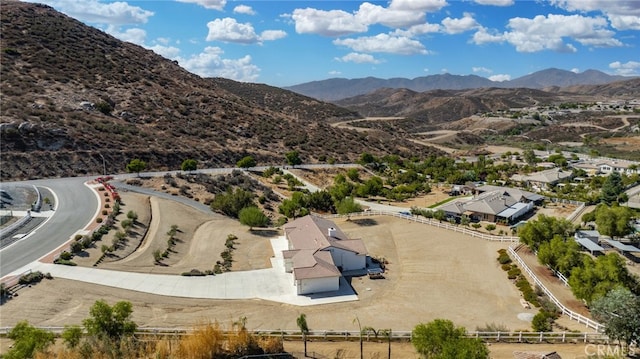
(341,88)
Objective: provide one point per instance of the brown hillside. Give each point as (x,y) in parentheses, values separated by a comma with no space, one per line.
(71,94)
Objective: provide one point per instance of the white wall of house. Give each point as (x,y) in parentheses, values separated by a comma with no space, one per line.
(348,260)
(318,285)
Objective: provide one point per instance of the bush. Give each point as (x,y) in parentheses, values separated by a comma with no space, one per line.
(513,273)
(33,277)
(542,322)
(99,220)
(505,267)
(76,247)
(504,259)
(66,262)
(193,273)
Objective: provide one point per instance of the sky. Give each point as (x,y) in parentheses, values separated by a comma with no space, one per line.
(284,43)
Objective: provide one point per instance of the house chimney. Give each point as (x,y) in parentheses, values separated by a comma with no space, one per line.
(332,232)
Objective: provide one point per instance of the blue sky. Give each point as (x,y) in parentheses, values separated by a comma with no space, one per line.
(283,43)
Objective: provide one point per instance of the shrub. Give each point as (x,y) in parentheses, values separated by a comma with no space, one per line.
(76,247)
(157,256)
(104,212)
(504,259)
(193,273)
(66,255)
(66,262)
(33,277)
(77,237)
(99,220)
(505,267)
(542,322)
(513,273)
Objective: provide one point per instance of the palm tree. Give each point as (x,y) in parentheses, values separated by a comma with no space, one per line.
(302,324)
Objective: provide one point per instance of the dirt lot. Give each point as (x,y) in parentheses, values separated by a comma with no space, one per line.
(432,274)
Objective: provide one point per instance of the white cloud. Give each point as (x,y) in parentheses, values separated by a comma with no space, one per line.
(327,23)
(229,30)
(244,9)
(631,68)
(93,11)
(270,35)
(575,70)
(418,5)
(625,22)
(334,73)
(207,4)
(358,58)
(549,32)
(623,14)
(500,77)
(481,69)
(134,35)
(456,26)
(163,40)
(392,17)
(384,43)
(210,63)
(169,52)
(419,29)
(495,2)
(399,14)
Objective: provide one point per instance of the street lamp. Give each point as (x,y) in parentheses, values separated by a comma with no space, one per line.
(104,165)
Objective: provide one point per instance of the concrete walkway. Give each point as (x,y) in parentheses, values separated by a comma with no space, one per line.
(272,284)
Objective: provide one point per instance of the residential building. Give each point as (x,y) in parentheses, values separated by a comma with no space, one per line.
(318,254)
(543,179)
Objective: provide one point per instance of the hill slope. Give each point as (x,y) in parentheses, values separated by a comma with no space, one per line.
(72,95)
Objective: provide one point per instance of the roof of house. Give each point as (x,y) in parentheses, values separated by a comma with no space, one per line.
(309,239)
(309,264)
(492,202)
(547,176)
(516,193)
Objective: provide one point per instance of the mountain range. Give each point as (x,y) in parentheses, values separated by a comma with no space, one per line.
(340,88)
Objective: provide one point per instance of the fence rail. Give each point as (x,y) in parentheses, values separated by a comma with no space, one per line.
(590,323)
(431,222)
(400,335)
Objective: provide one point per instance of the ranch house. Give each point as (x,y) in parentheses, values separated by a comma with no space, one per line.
(319,252)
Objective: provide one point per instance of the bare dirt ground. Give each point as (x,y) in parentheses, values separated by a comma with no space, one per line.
(629,143)
(432,274)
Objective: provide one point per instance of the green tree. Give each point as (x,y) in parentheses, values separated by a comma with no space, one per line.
(542,322)
(366,158)
(613,221)
(293,158)
(132,215)
(189,165)
(109,322)
(594,278)
(71,335)
(253,217)
(619,311)
(301,322)
(136,165)
(560,254)
(348,205)
(612,188)
(353,174)
(529,157)
(294,207)
(246,162)
(441,339)
(231,202)
(28,340)
(543,229)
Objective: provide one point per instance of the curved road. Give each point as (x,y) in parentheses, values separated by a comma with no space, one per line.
(76,206)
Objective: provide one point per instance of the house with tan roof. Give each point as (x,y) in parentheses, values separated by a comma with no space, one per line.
(493,203)
(542,179)
(319,252)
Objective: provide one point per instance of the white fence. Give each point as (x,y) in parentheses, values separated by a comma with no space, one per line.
(399,335)
(431,222)
(590,323)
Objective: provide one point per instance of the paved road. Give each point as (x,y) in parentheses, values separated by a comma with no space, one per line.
(76,206)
